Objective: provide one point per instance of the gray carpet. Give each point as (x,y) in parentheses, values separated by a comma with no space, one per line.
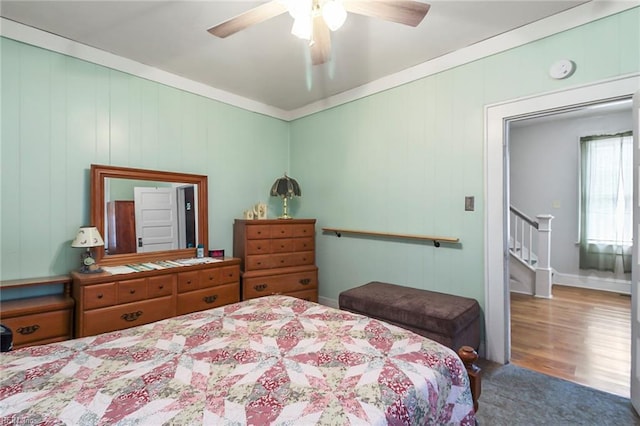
(515,396)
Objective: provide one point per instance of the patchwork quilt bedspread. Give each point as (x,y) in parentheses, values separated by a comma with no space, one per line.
(272,360)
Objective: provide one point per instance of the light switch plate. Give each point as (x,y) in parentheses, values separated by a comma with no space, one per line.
(469,203)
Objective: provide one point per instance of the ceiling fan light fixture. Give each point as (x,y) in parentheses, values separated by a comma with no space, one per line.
(334,14)
(298,8)
(302,27)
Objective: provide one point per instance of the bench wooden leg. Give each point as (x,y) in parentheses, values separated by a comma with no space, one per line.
(468,355)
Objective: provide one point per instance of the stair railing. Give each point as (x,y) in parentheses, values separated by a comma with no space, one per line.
(535,252)
(521,239)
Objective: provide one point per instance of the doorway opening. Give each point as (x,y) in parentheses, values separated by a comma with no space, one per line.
(497,344)
(583,333)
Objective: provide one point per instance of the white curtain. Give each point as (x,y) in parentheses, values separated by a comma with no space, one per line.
(606,201)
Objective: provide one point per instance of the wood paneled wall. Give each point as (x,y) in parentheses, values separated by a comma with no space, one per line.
(60,115)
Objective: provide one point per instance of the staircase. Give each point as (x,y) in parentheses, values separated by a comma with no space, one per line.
(522,274)
(528,272)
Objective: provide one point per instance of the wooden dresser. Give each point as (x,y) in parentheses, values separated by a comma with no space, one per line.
(106,302)
(277,257)
(42,319)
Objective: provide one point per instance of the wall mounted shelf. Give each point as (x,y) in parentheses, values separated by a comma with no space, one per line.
(436,240)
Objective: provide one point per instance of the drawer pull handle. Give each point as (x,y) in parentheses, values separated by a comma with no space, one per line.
(281,260)
(260,287)
(210,299)
(28,329)
(188,281)
(132,291)
(131,316)
(305,281)
(210,278)
(100,296)
(160,287)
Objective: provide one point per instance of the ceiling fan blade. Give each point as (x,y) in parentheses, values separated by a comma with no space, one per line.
(253,16)
(401,11)
(321,47)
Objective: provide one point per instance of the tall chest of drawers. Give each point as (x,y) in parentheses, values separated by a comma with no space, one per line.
(277,257)
(106,302)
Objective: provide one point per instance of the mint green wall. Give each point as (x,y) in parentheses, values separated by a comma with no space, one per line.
(60,115)
(402,161)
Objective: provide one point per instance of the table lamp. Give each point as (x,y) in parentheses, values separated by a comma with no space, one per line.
(88,237)
(285,187)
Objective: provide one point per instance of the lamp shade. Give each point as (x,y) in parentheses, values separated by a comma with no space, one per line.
(286,187)
(88,236)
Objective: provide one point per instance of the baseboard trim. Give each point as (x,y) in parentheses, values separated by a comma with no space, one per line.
(593,283)
(332,303)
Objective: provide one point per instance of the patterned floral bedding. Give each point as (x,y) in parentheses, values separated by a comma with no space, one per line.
(272,360)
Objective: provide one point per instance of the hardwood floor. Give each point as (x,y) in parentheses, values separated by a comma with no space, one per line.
(580,335)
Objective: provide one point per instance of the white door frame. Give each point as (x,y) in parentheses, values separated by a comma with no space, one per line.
(635,271)
(497,323)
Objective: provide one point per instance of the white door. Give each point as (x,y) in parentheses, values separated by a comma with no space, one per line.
(156,219)
(635,272)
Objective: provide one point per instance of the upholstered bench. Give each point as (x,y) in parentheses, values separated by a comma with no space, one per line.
(453,321)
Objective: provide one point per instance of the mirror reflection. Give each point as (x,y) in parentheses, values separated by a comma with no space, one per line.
(143,216)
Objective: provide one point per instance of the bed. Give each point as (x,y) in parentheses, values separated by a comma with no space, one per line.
(271,360)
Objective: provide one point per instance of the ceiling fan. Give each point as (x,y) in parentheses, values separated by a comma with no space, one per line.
(315,19)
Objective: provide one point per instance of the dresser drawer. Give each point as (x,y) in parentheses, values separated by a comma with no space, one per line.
(258,246)
(292,259)
(132,290)
(304,244)
(229,274)
(99,295)
(284,230)
(42,328)
(161,285)
(257,232)
(279,284)
(303,230)
(262,261)
(208,298)
(188,281)
(209,277)
(282,245)
(128,315)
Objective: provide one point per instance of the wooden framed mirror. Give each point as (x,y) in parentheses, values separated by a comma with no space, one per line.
(135,210)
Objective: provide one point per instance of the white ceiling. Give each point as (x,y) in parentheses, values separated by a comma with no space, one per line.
(265,63)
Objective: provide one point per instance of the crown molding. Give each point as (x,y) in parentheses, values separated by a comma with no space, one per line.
(33,36)
(571,18)
(579,15)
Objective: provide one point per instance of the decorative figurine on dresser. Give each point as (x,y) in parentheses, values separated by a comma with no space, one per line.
(277,256)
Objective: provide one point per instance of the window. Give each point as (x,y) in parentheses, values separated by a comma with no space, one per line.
(606,201)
